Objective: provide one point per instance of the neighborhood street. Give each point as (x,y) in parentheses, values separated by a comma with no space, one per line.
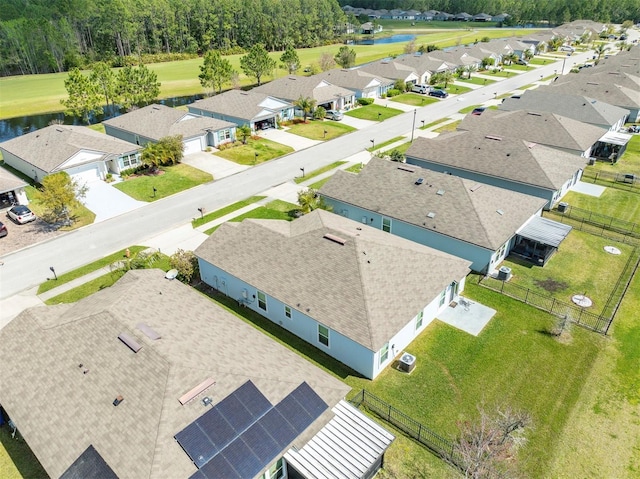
(29,267)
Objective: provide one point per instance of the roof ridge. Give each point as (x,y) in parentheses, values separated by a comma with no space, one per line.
(367,310)
(467,192)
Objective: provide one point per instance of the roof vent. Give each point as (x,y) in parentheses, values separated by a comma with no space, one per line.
(335,239)
(155,107)
(592,83)
(500,212)
(148,331)
(533,113)
(118,400)
(419,181)
(476,187)
(431,214)
(130,341)
(203,386)
(440,192)
(406,168)
(491,137)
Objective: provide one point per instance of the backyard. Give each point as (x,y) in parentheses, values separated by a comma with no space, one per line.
(169,181)
(255,151)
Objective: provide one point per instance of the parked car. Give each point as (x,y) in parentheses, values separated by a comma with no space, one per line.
(478,111)
(438,93)
(335,115)
(21,214)
(3,230)
(420,88)
(521,61)
(567,48)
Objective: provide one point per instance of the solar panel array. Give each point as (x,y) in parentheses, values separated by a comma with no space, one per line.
(244,433)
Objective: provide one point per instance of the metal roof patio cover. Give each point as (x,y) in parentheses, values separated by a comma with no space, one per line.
(545,231)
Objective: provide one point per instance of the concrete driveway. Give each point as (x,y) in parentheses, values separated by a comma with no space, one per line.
(296,142)
(107,202)
(218,167)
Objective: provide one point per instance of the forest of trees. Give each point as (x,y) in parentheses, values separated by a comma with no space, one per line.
(41,36)
(522,11)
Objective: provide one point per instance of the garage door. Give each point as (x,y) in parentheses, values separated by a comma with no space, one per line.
(85,175)
(192,146)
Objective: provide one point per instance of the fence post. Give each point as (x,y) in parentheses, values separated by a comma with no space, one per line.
(553,304)
(419,431)
(580,315)
(502,287)
(389,414)
(526,297)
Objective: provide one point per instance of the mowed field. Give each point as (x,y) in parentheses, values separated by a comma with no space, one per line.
(32,94)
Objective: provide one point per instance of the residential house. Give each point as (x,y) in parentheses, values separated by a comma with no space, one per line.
(538,40)
(443,16)
(500,17)
(356,293)
(543,128)
(456,58)
(410,15)
(370,28)
(478,51)
(393,70)
(462,217)
(576,107)
(360,82)
(154,122)
(463,17)
(293,87)
(426,16)
(424,65)
(12,189)
(258,110)
(83,153)
(505,162)
(625,61)
(482,17)
(165,383)
(499,47)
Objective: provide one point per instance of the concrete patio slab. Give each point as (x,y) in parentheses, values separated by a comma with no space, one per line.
(108,202)
(467,315)
(218,167)
(588,189)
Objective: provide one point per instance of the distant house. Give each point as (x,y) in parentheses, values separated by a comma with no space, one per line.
(424,65)
(482,17)
(463,17)
(258,110)
(154,122)
(426,16)
(12,189)
(293,87)
(443,16)
(369,28)
(505,162)
(361,83)
(576,107)
(357,293)
(465,218)
(83,153)
(171,387)
(456,58)
(500,18)
(392,70)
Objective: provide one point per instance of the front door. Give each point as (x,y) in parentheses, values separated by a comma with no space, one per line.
(453,290)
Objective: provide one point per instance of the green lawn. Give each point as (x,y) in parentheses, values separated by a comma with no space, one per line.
(16,459)
(522,68)
(476,80)
(455,88)
(401,148)
(373,112)
(172,180)
(80,214)
(620,204)
(469,109)
(386,143)
(246,154)
(319,171)
(565,274)
(414,99)
(315,130)
(448,127)
(318,184)
(434,123)
(629,162)
(540,61)
(214,215)
(496,73)
(357,168)
(274,210)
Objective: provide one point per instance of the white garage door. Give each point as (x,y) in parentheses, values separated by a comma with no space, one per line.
(85,175)
(192,146)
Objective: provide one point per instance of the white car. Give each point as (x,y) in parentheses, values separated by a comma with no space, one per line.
(21,214)
(335,115)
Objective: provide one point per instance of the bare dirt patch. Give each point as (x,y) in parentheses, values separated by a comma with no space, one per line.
(22,236)
(551,285)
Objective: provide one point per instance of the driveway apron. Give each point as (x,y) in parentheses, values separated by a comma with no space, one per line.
(107,202)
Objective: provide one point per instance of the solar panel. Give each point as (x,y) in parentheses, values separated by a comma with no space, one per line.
(264,447)
(232,410)
(219,432)
(252,399)
(278,428)
(196,444)
(243,460)
(294,413)
(218,468)
(309,400)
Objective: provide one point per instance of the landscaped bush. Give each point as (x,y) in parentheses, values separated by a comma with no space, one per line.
(132,171)
(365,101)
(319,113)
(393,92)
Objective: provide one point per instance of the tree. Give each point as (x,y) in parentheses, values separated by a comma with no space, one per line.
(319,113)
(215,71)
(444,77)
(244,132)
(326,62)
(410,48)
(137,86)
(469,69)
(346,57)
(487,62)
(105,80)
(59,194)
(169,150)
(400,85)
(186,263)
(487,444)
(290,59)
(306,105)
(600,49)
(396,155)
(257,62)
(310,200)
(509,58)
(84,97)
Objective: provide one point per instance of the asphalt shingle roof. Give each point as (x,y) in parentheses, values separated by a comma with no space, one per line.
(613,94)
(513,159)
(389,69)
(355,79)
(60,409)
(248,105)
(9,181)
(367,289)
(158,121)
(544,128)
(467,210)
(50,147)
(293,87)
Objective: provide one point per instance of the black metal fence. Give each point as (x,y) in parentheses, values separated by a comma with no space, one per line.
(597,224)
(622,181)
(437,444)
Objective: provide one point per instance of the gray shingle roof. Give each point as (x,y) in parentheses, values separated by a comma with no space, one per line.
(544,128)
(249,105)
(389,69)
(158,121)
(9,181)
(293,87)
(423,63)
(367,289)
(50,147)
(580,108)
(60,411)
(625,61)
(355,79)
(465,211)
(611,93)
(457,57)
(513,159)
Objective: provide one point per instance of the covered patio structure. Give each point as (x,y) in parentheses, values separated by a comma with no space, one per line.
(611,146)
(539,239)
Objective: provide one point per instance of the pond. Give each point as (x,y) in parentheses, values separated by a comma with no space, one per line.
(12,127)
(383,40)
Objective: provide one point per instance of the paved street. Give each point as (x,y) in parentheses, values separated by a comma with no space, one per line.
(29,267)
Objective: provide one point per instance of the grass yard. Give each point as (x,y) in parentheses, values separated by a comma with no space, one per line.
(373,112)
(476,80)
(629,162)
(414,99)
(565,274)
(386,143)
(274,210)
(455,88)
(246,154)
(540,61)
(315,130)
(469,109)
(498,73)
(319,171)
(619,204)
(214,215)
(401,148)
(174,179)
(434,123)
(448,127)
(357,168)
(16,459)
(519,68)
(318,184)
(80,214)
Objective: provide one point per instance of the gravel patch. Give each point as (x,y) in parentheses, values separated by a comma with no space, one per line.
(22,236)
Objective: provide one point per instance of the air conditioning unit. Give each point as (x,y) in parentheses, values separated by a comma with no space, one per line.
(407,362)
(504,273)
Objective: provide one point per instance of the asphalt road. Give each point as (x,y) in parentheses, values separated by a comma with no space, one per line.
(29,267)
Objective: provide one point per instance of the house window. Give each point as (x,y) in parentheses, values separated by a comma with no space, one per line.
(287,311)
(130,160)
(419,319)
(323,335)
(276,471)
(262,300)
(443,297)
(384,353)
(224,134)
(386,225)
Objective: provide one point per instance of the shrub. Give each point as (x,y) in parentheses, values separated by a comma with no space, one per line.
(393,92)
(319,113)
(365,101)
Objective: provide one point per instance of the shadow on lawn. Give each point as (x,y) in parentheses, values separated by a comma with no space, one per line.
(20,455)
